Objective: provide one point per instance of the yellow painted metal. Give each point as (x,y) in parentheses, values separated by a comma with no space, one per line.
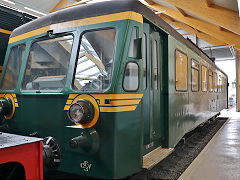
(118,109)
(81,22)
(29,34)
(5,31)
(96,110)
(117,102)
(117,96)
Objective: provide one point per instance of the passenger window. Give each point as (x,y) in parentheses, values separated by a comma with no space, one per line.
(155,64)
(223,84)
(133,44)
(219,83)
(144,53)
(195,78)
(95,60)
(47,64)
(215,81)
(181,71)
(13,67)
(210,78)
(204,78)
(131,77)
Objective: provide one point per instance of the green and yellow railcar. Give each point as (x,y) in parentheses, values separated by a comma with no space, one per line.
(107,85)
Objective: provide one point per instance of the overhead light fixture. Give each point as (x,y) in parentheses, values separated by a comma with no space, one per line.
(30,9)
(160,12)
(10,2)
(179,28)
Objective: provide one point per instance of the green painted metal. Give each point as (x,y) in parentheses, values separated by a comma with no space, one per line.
(118,151)
(161,119)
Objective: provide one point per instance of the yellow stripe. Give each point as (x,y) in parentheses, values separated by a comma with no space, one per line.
(16,105)
(100,19)
(67,107)
(117,96)
(72,96)
(15,100)
(29,34)
(14,95)
(5,31)
(120,102)
(69,102)
(2,95)
(118,109)
(82,22)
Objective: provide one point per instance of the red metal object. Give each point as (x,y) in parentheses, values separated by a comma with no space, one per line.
(29,155)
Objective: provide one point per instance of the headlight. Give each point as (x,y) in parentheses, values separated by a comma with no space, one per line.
(81,112)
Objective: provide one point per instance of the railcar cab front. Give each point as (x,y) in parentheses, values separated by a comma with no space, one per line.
(79,87)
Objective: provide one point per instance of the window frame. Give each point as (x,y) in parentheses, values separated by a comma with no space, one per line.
(192,76)
(125,76)
(145,63)
(176,69)
(219,83)
(209,90)
(79,40)
(129,45)
(6,64)
(215,77)
(44,38)
(153,85)
(206,77)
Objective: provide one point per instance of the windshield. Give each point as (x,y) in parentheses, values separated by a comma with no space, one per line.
(13,67)
(47,64)
(95,61)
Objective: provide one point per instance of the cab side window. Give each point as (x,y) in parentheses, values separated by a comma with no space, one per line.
(131,77)
(195,78)
(220,83)
(132,53)
(204,78)
(13,67)
(215,81)
(181,71)
(210,79)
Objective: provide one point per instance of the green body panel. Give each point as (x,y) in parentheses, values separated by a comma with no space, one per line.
(119,152)
(189,109)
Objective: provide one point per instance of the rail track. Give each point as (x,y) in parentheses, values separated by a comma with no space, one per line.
(185,152)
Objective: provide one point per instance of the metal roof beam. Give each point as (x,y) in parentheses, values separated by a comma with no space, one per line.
(220,16)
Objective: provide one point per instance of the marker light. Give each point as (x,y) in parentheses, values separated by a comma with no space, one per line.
(81,112)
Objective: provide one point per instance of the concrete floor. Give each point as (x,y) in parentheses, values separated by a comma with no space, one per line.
(220,159)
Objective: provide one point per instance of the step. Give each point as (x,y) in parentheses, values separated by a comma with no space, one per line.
(155,156)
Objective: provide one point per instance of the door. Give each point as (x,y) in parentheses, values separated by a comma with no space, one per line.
(152,60)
